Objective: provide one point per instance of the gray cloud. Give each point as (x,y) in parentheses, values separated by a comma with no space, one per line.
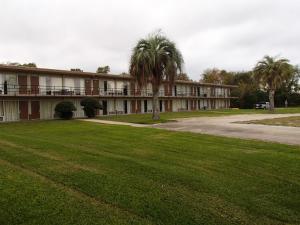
(228,34)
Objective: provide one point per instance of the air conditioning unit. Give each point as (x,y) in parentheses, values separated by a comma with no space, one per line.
(1,118)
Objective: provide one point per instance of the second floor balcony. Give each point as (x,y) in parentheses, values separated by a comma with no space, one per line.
(39,90)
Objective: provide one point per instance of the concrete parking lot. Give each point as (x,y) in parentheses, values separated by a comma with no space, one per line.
(228,126)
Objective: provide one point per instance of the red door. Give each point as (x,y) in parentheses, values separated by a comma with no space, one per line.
(35,110)
(23,109)
(88,87)
(34,83)
(22,81)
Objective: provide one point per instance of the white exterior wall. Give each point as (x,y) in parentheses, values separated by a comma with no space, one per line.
(119,85)
(176,105)
(120,105)
(47,108)
(12,83)
(69,83)
(9,110)
(161,90)
(180,104)
(150,105)
(110,106)
(110,84)
(56,82)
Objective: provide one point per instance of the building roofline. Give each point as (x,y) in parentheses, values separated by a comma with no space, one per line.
(34,70)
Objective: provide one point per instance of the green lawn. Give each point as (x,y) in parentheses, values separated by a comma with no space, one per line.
(165,117)
(291,121)
(73,172)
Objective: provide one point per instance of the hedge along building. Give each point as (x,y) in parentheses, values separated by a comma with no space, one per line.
(32,93)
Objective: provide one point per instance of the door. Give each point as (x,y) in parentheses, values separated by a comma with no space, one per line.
(104,107)
(35,110)
(95,87)
(22,81)
(125,90)
(23,109)
(5,87)
(105,86)
(160,105)
(145,106)
(166,105)
(198,91)
(139,106)
(34,84)
(125,107)
(88,87)
(133,108)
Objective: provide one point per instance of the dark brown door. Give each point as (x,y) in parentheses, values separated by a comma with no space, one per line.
(104,105)
(23,108)
(34,83)
(192,104)
(35,110)
(139,106)
(95,87)
(171,106)
(133,109)
(88,87)
(22,81)
(166,106)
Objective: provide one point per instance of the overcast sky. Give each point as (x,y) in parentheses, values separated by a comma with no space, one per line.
(227,34)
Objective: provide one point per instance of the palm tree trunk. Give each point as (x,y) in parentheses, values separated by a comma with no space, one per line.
(155,104)
(271,99)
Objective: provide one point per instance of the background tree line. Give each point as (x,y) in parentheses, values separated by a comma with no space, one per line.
(255,85)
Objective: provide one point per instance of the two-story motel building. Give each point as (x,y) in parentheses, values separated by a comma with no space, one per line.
(32,93)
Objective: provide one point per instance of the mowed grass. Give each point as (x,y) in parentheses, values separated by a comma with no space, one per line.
(171,116)
(73,172)
(292,121)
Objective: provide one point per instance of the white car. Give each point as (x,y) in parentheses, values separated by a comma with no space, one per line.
(262,105)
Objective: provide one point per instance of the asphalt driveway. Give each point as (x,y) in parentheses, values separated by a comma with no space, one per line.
(228,126)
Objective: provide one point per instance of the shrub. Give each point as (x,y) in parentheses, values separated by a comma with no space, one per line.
(90,105)
(65,110)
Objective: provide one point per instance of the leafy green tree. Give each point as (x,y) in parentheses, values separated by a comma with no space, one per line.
(90,105)
(103,69)
(155,59)
(76,69)
(271,74)
(183,76)
(32,64)
(65,110)
(216,76)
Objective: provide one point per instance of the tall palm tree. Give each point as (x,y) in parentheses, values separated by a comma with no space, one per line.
(271,73)
(155,59)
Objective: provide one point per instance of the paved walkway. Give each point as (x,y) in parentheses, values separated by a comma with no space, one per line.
(114,122)
(228,126)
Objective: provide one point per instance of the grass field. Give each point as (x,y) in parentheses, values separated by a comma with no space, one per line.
(292,121)
(165,117)
(73,172)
